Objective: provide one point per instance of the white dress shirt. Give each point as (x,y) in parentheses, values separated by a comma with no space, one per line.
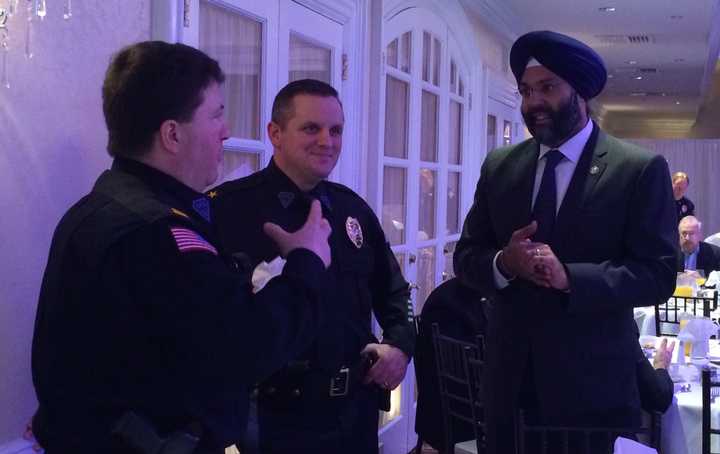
(571,151)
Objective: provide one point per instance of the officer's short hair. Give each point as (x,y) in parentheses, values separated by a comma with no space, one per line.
(148,83)
(282,108)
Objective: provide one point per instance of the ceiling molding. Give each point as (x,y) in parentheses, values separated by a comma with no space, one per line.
(340,11)
(498,17)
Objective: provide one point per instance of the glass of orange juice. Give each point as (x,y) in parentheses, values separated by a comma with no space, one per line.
(688,344)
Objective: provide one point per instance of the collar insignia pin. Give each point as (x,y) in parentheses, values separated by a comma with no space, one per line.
(286,198)
(179,213)
(354,231)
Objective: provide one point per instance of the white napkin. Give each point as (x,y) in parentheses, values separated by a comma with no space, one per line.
(266,271)
(701,329)
(713,279)
(627,446)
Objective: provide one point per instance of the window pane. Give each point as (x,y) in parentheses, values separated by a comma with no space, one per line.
(448,252)
(392,53)
(427,208)
(455,132)
(393,210)
(436,58)
(237,164)
(453,203)
(453,77)
(425,275)
(406,52)
(507,132)
(396,113)
(491,133)
(236,42)
(429,127)
(309,61)
(426,56)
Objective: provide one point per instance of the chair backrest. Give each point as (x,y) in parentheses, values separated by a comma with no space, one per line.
(580,440)
(669,313)
(454,382)
(710,390)
(476,371)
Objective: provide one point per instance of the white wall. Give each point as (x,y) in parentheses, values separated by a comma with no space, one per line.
(52,147)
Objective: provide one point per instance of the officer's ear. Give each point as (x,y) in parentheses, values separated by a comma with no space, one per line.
(274,132)
(169,135)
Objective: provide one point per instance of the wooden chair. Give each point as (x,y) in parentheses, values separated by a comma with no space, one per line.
(537,439)
(668,313)
(710,390)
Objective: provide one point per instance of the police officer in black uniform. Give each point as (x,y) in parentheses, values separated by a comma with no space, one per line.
(326,400)
(684,206)
(147,336)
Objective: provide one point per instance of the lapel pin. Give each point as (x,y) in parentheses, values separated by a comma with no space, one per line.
(594,170)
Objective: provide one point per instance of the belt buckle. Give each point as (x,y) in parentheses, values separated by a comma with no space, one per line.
(340,383)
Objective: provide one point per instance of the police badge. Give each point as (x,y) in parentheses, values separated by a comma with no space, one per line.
(354,232)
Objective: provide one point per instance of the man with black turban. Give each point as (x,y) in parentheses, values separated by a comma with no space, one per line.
(568,231)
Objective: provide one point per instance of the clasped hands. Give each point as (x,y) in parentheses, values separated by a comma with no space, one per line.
(532,261)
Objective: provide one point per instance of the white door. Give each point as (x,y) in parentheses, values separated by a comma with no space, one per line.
(309,47)
(420,172)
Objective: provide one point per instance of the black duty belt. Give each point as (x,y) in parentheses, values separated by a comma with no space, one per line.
(300,381)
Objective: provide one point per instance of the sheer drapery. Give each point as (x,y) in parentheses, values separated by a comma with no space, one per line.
(308,60)
(396,117)
(700,159)
(236,42)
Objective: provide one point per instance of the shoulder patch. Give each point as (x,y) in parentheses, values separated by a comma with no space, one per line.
(188,240)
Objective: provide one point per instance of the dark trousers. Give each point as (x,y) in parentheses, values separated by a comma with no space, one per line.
(346,425)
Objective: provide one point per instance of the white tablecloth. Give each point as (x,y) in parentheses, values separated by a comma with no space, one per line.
(682,423)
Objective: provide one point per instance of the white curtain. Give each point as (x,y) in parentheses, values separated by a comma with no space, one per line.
(700,159)
(308,60)
(236,42)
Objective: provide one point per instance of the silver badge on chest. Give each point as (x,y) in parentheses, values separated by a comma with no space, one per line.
(354,231)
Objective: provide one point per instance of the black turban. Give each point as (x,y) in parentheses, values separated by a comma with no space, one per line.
(575,62)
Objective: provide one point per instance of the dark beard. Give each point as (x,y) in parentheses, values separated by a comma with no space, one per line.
(563,122)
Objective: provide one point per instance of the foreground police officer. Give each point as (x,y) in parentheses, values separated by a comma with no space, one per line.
(327,399)
(146,336)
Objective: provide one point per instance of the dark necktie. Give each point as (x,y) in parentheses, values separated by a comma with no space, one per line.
(546,200)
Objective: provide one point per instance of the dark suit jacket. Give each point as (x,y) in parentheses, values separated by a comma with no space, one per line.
(460,313)
(616,234)
(655,385)
(708,258)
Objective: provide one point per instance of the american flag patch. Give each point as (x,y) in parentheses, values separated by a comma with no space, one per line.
(189,241)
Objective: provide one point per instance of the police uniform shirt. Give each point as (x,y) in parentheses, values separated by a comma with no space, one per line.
(365,273)
(685,207)
(139,310)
